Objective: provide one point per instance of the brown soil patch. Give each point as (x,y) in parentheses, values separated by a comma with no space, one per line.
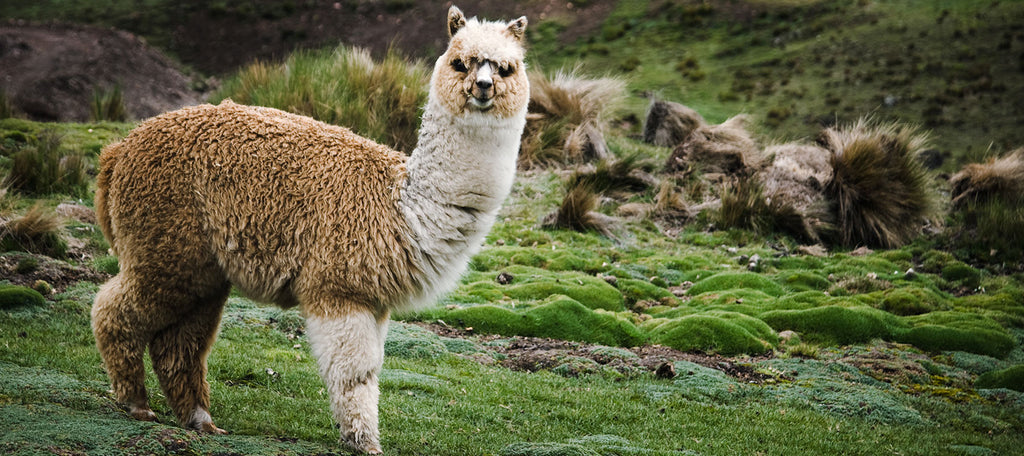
(535,353)
(50,72)
(59,274)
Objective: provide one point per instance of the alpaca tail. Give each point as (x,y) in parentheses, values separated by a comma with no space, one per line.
(108,160)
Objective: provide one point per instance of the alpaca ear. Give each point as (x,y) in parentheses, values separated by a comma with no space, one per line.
(456,20)
(518,28)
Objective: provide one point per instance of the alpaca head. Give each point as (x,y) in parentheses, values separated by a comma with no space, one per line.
(482,71)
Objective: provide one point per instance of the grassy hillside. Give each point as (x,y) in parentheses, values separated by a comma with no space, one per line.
(655,325)
(954,67)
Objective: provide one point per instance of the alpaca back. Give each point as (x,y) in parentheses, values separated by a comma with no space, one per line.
(275,197)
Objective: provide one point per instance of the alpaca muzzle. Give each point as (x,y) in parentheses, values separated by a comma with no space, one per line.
(482,92)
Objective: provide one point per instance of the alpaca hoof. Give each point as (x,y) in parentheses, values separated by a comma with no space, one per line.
(210,428)
(202,422)
(142,414)
(362,447)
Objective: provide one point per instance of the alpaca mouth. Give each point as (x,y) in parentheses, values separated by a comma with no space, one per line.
(482,104)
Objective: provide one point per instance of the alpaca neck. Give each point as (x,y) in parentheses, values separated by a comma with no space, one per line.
(457,178)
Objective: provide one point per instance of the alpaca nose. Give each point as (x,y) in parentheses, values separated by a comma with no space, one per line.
(484,84)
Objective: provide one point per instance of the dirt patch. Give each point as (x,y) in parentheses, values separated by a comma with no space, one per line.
(50,72)
(532,354)
(26,269)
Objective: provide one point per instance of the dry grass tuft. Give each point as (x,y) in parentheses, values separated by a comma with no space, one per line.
(613,177)
(744,205)
(578,211)
(726,148)
(879,194)
(988,207)
(37,231)
(1001,178)
(45,167)
(668,123)
(567,119)
(379,99)
(588,184)
(108,105)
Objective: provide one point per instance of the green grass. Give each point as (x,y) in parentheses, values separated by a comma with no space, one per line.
(333,86)
(54,396)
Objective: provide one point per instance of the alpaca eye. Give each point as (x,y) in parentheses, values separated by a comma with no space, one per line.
(459,66)
(506,71)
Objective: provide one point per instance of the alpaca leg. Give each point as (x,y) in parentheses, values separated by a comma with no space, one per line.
(179,355)
(350,351)
(121,333)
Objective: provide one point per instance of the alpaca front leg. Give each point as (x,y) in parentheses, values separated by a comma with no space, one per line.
(349,348)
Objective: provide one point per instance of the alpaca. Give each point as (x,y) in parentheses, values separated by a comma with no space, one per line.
(299,213)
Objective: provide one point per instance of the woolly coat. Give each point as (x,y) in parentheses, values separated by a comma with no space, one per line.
(285,206)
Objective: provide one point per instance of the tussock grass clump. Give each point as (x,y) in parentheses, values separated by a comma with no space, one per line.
(44,166)
(567,118)
(1001,178)
(724,148)
(344,86)
(37,231)
(879,193)
(578,211)
(988,205)
(108,104)
(745,205)
(587,185)
(668,123)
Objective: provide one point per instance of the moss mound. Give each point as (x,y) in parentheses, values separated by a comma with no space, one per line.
(726,333)
(15,296)
(1010,378)
(641,290)
(733,280)
(957,331)
(561,317)
(833,323)
(803,281)
(911,301)
(410,341)
(534,284)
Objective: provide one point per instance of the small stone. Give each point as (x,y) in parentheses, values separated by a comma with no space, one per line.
(42,287)
(665,370)
(861,251)
(612,280)
(910,274)
(504,278)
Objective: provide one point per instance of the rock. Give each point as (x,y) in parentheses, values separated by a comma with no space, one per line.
(668,123)
(504,278)
(665,370)
(861,251)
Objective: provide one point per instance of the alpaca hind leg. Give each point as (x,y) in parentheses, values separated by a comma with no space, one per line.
(179,355)
(122,328)
(349,349)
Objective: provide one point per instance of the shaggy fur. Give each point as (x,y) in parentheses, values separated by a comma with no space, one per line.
(668,124)
(878,192)
(725,148)
(296,212)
